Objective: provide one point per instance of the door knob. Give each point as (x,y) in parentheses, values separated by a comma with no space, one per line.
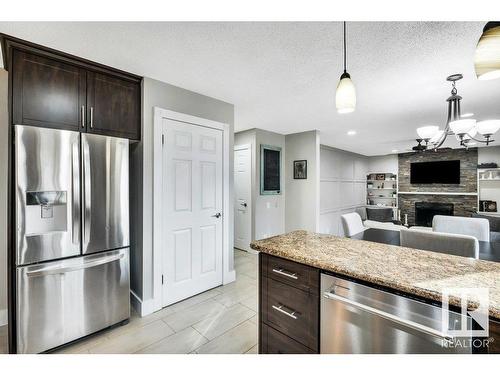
(243,204)
(217,215)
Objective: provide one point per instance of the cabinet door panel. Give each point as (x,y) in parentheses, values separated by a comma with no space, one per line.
(113,106)
(274,342)
(46,92)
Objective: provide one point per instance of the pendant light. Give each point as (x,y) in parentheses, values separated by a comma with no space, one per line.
(487,57)
(345,97)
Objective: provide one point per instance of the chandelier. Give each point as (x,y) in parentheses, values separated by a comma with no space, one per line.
(463,127)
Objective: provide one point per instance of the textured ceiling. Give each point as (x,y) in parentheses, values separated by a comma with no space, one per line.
(282,76)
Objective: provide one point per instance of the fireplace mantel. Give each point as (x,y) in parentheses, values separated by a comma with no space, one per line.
(435,193)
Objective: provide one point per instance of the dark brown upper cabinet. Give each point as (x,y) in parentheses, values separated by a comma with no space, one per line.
(113,106)
(52,89)
(47,92)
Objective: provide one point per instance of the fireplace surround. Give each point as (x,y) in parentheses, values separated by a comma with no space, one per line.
(463,196)
(425,211)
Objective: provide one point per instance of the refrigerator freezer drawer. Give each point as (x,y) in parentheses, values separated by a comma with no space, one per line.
(61,301)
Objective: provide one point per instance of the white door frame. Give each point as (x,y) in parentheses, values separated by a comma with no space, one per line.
(250,207)
(160,114)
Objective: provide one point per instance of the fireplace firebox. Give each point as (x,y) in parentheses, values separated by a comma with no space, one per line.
(425,211)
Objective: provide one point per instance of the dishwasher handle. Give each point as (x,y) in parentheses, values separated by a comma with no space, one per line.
(405,322)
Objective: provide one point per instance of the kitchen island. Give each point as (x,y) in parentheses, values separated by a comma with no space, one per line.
(291,266)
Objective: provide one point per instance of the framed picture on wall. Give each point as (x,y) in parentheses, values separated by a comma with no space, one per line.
(270,170)
(300,170)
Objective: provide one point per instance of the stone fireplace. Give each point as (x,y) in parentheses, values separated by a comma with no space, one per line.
(460,199)
(425,211)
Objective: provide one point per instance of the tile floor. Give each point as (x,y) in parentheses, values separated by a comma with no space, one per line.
(221,320)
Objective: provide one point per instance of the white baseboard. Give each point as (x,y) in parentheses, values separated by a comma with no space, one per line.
(143,308)
(229,277)
(4,318)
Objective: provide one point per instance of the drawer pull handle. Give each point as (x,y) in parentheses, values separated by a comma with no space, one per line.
(282,272)
(281,310)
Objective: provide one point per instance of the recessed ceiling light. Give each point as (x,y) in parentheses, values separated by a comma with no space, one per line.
(465,115)
(394,151)
(351,132)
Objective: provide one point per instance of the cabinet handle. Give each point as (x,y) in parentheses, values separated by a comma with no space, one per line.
(282,272)
(91,117)
(83,115)
(281,310)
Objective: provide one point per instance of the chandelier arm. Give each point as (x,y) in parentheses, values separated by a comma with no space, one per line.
(445,133)
(479,140)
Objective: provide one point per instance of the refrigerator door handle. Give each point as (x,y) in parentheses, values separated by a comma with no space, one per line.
(89,264)
(75,193)
(86,192)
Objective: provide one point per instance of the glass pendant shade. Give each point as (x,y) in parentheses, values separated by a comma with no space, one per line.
(461,127)
(345,97)
(488,127)
(436,138)
(487,56)
(470,134)
(427,132)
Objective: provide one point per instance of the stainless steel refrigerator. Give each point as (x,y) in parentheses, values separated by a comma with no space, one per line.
(72,235)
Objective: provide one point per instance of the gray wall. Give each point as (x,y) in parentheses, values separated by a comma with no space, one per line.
(270,209)
(160,94)
(490,154)
(4,123)
(342,186)
(383,164)
(302,196)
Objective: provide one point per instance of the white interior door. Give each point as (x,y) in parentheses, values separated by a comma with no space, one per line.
(242,197)
(192,209)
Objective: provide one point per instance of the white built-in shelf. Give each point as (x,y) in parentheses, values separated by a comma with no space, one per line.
(376,205)
(488,188)
(488,213)
(435,193)
(389,185)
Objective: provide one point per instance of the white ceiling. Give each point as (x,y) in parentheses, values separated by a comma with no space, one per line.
(282,76)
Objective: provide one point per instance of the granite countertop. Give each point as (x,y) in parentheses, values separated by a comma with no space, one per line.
(418,272)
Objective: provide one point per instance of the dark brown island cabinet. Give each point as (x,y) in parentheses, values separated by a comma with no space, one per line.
(289,308)
(53,89)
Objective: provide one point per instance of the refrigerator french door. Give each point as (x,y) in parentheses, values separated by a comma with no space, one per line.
(72,235)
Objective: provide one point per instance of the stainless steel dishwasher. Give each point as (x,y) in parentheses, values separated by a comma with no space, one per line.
(359,319)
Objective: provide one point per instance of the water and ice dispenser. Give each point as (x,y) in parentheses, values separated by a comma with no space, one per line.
(46,211)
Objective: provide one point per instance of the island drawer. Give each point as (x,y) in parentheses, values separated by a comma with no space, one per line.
(292,311)
(291,273)
(274,342)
